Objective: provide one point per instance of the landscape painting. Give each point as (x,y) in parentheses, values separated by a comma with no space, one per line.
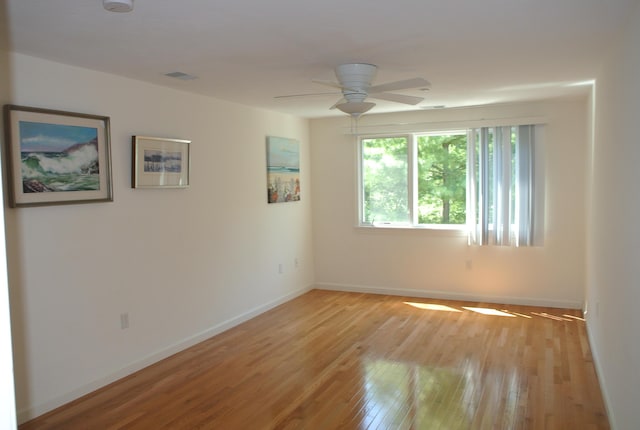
(162,161)
(158,162)
(283,170)
(57,157)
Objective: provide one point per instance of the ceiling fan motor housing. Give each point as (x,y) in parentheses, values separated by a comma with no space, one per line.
(356,79)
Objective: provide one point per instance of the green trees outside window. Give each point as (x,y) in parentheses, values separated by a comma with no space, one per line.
(385,179)
(442,177)
(389,176)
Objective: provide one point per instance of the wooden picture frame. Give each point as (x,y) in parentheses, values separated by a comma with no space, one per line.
(56,157)
(160,163)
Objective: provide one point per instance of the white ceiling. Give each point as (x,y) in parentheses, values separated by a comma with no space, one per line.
(249,51)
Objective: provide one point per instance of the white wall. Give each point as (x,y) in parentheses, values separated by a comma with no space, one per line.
(613,277)
(183,263)
(7,394)
(434,263)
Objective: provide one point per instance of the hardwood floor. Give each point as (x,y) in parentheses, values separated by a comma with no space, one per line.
(330,360)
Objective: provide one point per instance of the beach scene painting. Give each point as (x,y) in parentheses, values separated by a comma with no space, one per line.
(283,170)
(57,157)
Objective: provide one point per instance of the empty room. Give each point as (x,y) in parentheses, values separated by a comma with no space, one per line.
(287,215)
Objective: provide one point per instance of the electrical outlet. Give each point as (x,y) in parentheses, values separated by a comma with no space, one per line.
(296,263)
(124,320)
(469,264)
(280,268)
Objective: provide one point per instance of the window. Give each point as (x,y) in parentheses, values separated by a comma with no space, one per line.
(417,179)
(442,177)
(385,173)
(481,179)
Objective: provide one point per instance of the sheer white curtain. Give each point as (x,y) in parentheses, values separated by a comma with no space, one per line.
(500,185)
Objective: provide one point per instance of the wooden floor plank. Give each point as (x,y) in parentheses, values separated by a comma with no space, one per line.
(335,360)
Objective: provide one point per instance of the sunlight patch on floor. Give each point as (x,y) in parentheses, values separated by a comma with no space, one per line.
(518,314)
(432,307)
(492,311)
(552,317)
(488,311)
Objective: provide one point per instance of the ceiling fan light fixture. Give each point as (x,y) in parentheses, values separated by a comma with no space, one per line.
(355,109)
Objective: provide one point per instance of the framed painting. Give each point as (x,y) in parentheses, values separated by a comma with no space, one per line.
(160,163)
(56,157)
(283,170)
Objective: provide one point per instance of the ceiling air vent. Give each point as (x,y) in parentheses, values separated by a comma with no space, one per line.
(181,76)
(118,5)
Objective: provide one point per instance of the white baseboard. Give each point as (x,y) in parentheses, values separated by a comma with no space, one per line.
(29,413)
(451,295)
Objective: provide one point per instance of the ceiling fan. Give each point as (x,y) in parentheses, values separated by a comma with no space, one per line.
(354,80)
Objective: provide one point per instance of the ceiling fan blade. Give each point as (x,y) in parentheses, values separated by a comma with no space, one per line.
(287,96)
(327,83)
(398,98)
(400,85)
(342,100)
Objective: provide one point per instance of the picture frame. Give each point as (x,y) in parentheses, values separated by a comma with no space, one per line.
(56,157)
(160,162)
(283,170)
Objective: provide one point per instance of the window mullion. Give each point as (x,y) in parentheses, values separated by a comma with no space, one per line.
(413,178)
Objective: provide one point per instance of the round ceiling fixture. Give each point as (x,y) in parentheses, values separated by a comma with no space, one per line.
(118,5)
(355,109)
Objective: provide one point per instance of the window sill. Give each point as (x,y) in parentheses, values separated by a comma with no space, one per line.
(446,230)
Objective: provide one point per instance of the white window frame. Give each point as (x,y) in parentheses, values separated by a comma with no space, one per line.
(412,181)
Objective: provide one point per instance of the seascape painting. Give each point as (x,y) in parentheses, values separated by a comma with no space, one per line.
(283,170)
(58,158)
(162,161)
